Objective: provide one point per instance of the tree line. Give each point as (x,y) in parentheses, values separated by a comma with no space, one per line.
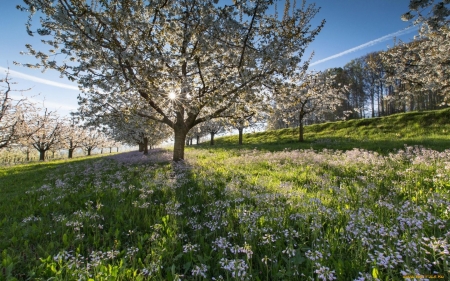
(26,127)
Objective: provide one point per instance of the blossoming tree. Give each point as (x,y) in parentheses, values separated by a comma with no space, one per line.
(306,94)
(93,139)
(73,135)
(423,65)
(253,120)
(46,132)
(437,12)
(213,127)
(187,61)
(13,116)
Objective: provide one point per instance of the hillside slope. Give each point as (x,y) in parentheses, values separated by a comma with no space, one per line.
(428,128)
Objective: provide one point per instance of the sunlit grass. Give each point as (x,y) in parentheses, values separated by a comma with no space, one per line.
(249,214)
(427,128)
(230,213)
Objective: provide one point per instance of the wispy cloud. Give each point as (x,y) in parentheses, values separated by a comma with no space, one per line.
(368,44)
(17,74)
(47,104)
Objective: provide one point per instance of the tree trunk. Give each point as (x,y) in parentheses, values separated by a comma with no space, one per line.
(300,137)
(41,155)
(145,146)
(89,151)
(141,146)
(372,96)
(110,149)
(180,141)
(241,130)
(71,152)
(198,139)
(212,138)
(300,131)
(190,141)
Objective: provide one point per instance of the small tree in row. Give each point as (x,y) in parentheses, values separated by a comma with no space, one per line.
(48,131)
(306,94)
(14,115)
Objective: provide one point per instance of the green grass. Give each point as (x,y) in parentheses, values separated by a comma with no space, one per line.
(234,212)
(426,128)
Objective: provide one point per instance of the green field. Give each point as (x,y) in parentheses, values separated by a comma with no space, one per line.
(427,128)
(351,203)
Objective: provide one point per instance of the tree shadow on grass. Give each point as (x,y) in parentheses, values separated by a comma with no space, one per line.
(383,146)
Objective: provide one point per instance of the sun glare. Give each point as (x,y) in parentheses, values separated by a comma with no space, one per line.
(172,95)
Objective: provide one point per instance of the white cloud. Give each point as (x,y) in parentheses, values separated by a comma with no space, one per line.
(368,44)
(17,74)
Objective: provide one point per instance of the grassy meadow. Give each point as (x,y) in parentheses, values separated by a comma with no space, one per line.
(351,203)
(427,128)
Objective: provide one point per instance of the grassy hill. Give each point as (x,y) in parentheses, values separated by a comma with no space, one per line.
(427,128)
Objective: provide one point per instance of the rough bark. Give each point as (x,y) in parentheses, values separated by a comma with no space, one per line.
(180,141)
(42,155)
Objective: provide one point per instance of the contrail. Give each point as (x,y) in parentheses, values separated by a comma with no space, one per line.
(38,80)
(368,44)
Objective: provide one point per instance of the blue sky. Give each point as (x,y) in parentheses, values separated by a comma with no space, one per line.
(353,28)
